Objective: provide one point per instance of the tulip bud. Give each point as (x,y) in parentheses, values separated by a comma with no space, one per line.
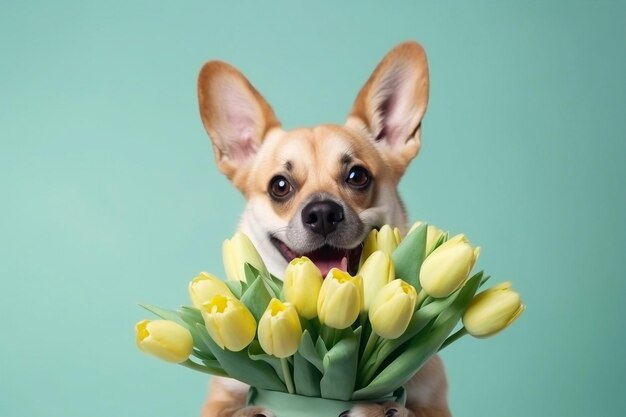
(492,311)
(229,322)
(386,239)
(279,329)
(433,233)
(164,339)
(301,286)
(377,271)
(238,251)
(392,309)
(204,287)
(340,299)
(447,268)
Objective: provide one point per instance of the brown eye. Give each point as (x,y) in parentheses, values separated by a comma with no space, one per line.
(358,177)
(279,188)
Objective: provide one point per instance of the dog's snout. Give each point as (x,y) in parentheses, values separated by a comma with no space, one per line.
(322,217)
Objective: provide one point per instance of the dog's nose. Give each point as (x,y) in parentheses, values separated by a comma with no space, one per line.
(322,217)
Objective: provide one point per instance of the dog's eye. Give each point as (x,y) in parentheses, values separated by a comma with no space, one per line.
(358,177)
(280,188)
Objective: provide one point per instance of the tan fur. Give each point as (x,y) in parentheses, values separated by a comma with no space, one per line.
(382,134)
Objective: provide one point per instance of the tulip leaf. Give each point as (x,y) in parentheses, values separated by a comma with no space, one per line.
(340,367)
(236,287)
(165,314)
(256,298)
(320,347)
(200,334)
(306,377)
(256,353)
(409,255)
(252,274)
(238,365)
(214,367)
(191,315)
(418,350)
(484,279)
(309,352)
(440,241)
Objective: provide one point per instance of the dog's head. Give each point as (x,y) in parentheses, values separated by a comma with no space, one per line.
(318,191)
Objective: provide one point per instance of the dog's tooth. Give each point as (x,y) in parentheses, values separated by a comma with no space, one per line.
(344,264)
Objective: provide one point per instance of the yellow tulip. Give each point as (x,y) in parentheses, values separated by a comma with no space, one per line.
(493,310)
(433,233)
(392,309)
(447,267)
(279,329)
(238,251)
(164,339)
(301,286)
(204,287)
(340,299)
(377,271)
(229,322)
(386,239)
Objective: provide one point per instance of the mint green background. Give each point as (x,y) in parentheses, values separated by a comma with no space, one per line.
(110,196)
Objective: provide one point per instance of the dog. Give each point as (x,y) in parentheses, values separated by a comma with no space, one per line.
(319,191)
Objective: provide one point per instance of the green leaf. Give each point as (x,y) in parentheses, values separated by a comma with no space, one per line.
(309,352)
(190,315)
(256,353)
(252,273)
(441,240)
(421,348)
(238,365)
(256,298)
(236,287)
(214,367)
(165,314)
(340,367)
(484,279)
(409,255)
(306,377)
(320,347)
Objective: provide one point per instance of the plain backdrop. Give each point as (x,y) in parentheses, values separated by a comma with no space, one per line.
(110,195)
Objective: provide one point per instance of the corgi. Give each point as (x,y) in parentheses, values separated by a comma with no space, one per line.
(319,191)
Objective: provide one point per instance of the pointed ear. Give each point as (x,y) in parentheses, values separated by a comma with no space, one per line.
(236,117)
(392,103)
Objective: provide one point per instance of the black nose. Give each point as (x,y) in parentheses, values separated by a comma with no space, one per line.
(322,217)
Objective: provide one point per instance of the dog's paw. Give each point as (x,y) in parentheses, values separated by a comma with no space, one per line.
(377,410)
(253,412)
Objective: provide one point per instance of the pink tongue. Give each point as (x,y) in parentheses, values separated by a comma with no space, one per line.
(327,264)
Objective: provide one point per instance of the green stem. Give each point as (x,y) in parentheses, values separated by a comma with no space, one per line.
(460,333)
(287,375)
(328,336)
(197,367)
(369,347)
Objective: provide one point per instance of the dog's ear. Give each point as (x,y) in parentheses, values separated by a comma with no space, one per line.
(236,117)
(392,103)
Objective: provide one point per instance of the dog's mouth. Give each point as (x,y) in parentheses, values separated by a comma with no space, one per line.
(325,257)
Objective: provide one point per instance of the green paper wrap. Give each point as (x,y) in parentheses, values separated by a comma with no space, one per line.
(291,405)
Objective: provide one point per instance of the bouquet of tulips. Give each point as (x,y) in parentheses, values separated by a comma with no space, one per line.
(340,338)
